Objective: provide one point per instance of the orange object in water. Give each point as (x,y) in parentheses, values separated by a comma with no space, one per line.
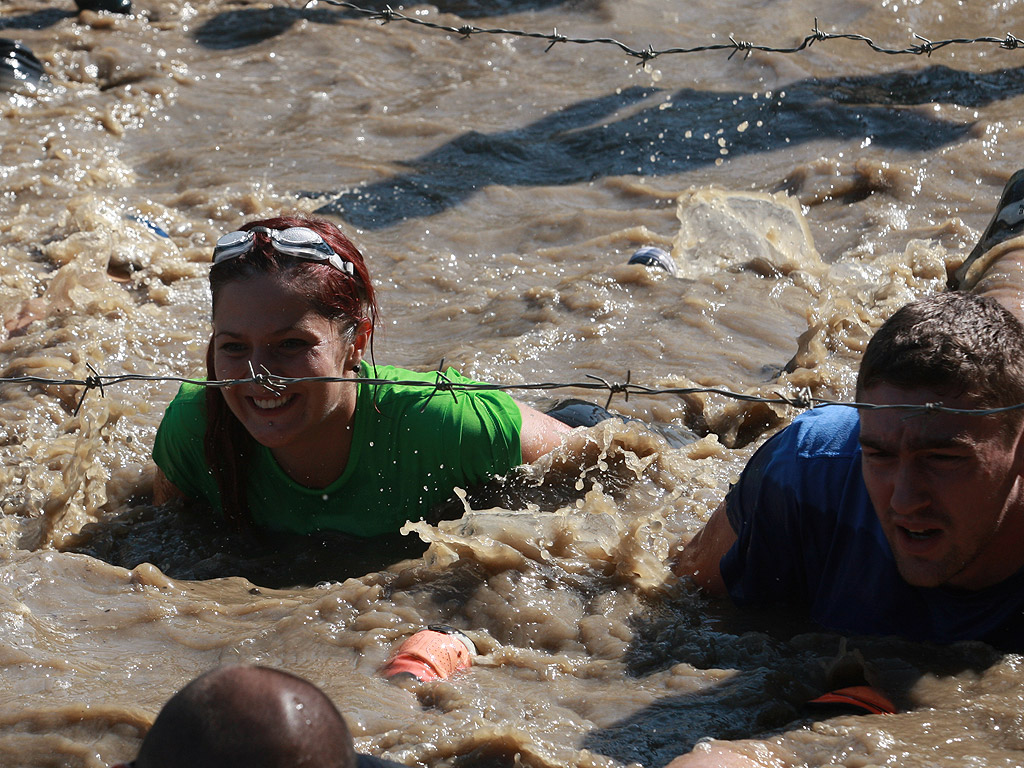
(862,697)
(435,653)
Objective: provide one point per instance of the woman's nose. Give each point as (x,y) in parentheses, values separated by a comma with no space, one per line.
(261,360)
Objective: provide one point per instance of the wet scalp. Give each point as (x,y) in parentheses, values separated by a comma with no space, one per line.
(243,716)
(955,342)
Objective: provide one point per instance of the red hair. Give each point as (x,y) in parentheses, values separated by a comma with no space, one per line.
(346,299)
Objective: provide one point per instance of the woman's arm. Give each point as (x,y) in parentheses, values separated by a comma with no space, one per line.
(540,433)
(163,489)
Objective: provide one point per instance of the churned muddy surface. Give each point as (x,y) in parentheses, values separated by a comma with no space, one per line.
(497,191)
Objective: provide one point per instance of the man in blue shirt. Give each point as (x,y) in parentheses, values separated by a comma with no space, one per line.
(896,521)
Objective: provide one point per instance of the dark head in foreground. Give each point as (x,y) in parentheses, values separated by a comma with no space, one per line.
(246,716)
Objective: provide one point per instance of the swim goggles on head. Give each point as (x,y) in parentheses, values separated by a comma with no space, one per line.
(300,242)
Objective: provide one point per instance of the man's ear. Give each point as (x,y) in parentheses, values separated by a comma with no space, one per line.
(1018,452)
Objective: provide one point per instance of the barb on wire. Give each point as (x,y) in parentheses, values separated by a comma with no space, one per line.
(441,384)
(802,398)
(613,388)
(91,382)
(643,55)
(266,379)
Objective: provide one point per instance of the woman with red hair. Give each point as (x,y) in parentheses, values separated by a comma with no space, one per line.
(292,297)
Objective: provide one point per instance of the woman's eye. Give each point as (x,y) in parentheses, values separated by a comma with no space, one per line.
(232,348)
(294,343)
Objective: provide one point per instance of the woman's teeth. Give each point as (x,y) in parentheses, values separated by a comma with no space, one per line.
(270,403)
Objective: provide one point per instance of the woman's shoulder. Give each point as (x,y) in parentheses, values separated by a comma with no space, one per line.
(188,408)
(404,384)
(426,396)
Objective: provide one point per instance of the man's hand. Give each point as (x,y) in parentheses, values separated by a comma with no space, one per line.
(722,754)
(700,557)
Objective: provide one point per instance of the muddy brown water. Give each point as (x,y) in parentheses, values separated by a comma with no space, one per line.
(497,190)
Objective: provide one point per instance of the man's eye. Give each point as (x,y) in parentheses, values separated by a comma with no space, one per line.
(873,454)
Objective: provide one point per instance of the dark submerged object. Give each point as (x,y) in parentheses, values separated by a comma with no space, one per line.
(114,6)
(18,65)
(653,256)
(580,413)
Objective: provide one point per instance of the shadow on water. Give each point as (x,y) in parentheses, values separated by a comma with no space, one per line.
(249,26)
(779,664)
(237,29)
(193,544)
(36,19)
(650,132)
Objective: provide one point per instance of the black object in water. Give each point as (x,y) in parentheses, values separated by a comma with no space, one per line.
(580,413)
(114,6)
(18,65)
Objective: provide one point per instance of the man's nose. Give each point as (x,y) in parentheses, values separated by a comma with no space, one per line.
(909,490)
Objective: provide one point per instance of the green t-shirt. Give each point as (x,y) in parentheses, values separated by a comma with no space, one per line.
(404,458)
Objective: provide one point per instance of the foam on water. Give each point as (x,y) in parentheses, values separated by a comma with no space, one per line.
(498,192)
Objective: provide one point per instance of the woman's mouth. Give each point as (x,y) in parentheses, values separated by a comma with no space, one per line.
(271,403)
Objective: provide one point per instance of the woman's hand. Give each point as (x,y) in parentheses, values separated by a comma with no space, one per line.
(164,490)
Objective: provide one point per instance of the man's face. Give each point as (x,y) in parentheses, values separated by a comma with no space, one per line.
(947,488)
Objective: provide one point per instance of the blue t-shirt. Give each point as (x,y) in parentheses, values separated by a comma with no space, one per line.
(808,536)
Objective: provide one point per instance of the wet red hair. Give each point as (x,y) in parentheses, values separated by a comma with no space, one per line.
(346,299)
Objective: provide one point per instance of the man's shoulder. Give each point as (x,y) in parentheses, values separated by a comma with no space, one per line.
(829,431)
(810,470)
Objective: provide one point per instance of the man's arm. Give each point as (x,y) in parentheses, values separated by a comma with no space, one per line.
(701,556)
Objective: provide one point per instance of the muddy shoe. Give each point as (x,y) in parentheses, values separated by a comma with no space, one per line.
(1006,225)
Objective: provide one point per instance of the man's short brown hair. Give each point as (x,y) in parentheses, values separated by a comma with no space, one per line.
(956,343)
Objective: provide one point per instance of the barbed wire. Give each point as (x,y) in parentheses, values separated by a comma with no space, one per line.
(802,398)
(643,55)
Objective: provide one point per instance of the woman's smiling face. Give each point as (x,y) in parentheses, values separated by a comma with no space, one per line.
(267,322)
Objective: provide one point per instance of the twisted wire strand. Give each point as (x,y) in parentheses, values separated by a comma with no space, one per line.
(924,47)
(802,399)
